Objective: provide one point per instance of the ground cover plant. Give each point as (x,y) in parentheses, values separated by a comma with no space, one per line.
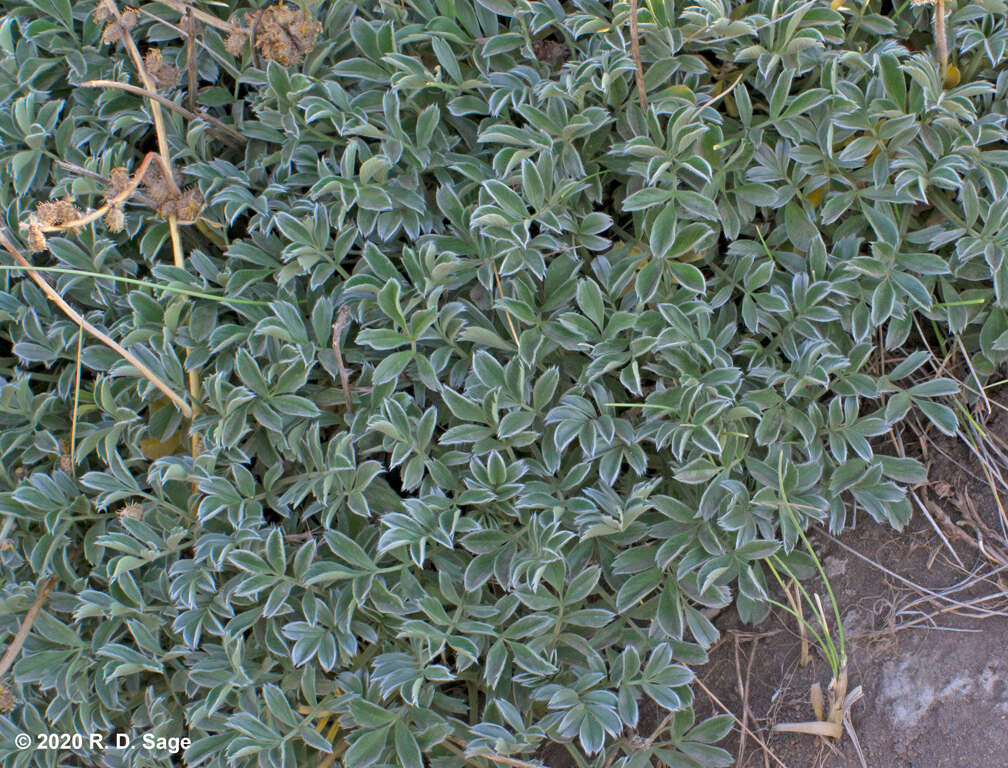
(406,383)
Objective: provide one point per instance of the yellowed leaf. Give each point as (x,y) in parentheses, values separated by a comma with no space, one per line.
(815,197)
(156,449)
(729,105)
(682,91)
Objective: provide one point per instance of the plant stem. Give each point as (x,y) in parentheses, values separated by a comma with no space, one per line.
(165,156)
(70,312)
(635,52)
(808,546)
(26,625)
(940,38)
(229,135)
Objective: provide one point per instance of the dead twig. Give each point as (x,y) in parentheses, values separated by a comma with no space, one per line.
(203,16)
(110,203)
(104,180)
(192,28)
(635,52)
(146,372)
(941,40)
(163,153)
(227,134)
(22,634)
(927,509)
(342,320)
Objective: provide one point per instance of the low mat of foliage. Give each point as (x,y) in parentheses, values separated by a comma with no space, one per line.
(595,358)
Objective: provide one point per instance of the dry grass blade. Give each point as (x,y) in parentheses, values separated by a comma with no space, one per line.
(812,728)
(976,378)
(925,508)
(817,700)
(938,596)
(796,606)
(192,29)
(852,698)
(837,720)
(49,291)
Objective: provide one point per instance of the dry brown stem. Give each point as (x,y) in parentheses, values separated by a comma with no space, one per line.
(22,634)
(635,52)
(70,312)
(192,30)
(941,40)
(342,321)
(109,7)
(203,16)
(41,222)
(227,134)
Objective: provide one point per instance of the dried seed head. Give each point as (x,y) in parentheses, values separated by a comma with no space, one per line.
(184,206)
(102,13)
(57,213)
(189,205)
(68,212)
(48,214)
(36,238)
(115,219)
(65,462)
(550,51)
(236,41)
(131,511)
(281,33)
(119,180)
(7,700)
(158,188)
(116,29)
(164,74)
